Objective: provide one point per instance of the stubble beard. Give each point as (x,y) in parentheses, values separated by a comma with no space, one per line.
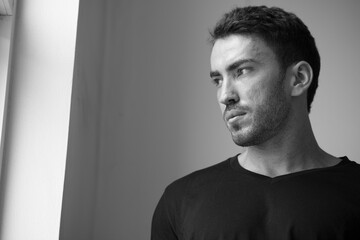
(266,121)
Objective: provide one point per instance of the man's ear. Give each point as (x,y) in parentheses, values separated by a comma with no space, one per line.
(302,76)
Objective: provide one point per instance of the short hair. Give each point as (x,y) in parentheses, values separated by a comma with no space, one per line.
(282,31)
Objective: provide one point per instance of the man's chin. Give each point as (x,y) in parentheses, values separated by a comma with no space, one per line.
(242,142)
(243,139)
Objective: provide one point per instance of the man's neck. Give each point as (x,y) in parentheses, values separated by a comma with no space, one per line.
(290,151)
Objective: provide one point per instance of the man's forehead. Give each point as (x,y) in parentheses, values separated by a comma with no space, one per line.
(235,47)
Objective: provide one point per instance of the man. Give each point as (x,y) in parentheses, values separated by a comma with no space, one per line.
(265,65)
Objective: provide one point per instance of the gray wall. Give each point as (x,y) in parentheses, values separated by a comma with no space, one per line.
(144,112)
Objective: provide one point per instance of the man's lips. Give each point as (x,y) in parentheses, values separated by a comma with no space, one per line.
(233,115)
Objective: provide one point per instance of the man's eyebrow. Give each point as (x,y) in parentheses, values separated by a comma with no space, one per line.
(238,63)
(214,74)
(233,66)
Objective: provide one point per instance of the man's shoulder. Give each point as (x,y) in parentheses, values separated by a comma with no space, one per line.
(348,164)
(349,167)
(200,178)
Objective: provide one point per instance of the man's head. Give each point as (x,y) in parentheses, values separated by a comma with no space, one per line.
(262,58)
(282,31)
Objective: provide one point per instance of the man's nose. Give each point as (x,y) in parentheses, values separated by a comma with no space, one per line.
(228,94)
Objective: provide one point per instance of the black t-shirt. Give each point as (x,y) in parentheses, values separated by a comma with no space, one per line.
(228,202)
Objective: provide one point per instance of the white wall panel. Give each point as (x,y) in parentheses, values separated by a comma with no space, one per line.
(38,110)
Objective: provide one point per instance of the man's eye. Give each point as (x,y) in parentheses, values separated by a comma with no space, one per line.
(216,81)
(242,71)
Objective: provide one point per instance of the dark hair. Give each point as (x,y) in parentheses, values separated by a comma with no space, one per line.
(283,32)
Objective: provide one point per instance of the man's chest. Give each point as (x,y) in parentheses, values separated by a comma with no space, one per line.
(274,211)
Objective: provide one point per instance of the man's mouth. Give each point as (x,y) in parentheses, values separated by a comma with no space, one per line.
(235,116)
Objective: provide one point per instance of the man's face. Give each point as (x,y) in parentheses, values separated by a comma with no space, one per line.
(251,88)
